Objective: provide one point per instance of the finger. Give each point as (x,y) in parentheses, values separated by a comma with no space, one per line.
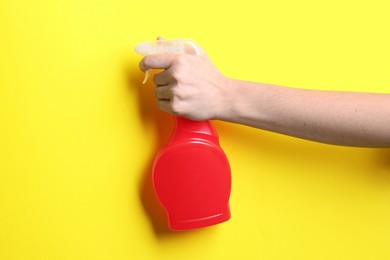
(163,93)
(160,38)
(162,78)
(164,105)
(157,61)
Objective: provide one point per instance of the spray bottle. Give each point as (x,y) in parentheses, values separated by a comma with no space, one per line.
(191,173)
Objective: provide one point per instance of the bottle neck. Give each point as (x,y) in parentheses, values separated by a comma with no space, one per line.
(188,129)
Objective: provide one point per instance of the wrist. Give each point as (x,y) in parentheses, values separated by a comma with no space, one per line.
(227,108)
(247,103)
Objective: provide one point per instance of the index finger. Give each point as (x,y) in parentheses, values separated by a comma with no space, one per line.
(157,61)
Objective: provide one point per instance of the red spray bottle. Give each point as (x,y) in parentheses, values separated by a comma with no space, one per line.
(191,173)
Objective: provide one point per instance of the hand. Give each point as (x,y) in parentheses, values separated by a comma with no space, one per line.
(190,86)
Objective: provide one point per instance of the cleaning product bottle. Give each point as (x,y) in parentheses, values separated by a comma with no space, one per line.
(191,173)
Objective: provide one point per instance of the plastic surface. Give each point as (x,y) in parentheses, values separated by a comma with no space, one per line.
(191,177)
(191,174)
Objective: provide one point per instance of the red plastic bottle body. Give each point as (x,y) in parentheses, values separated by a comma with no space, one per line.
(191,177)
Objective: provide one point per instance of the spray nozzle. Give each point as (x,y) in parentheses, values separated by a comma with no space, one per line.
(166,47)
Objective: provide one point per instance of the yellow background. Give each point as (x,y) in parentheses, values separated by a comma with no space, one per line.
(78,132)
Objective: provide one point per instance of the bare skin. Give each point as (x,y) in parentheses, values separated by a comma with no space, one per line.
(192,87)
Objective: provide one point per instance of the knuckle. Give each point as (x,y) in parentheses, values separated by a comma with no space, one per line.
(180,66)
(179,75)
(177,108)
(181,60)
(176,92)
(179,93)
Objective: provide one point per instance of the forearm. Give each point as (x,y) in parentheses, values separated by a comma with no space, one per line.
(342,118)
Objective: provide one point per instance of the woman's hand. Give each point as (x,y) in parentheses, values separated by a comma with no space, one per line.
(190,85)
